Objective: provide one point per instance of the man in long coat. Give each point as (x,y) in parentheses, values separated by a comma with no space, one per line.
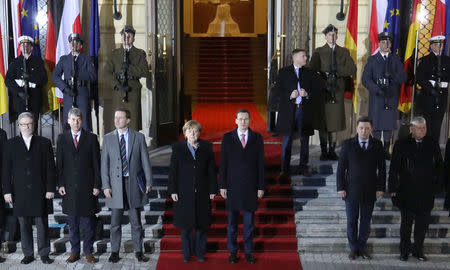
(3,139)
(432,100)
(294,86)
(242,181)
(126,181)
(336,76)
(414,179)
(78,71)
(360,181)
(382,76)
(35,75)
(78,169)
(127,83)
(28,179)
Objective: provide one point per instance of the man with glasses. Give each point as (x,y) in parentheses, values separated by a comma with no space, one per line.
(28,180)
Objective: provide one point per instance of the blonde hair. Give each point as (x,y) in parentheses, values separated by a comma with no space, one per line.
(192,124)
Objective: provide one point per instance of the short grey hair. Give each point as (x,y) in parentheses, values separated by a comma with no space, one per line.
(417,120)
(25,115)
(192,124)
(75,112)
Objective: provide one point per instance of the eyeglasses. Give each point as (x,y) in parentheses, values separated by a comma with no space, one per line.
(25,124)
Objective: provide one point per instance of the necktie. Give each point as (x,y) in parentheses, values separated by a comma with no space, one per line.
(298,100)
(385,57)
(123,155)
(243,140)
(364,145)
(75,141)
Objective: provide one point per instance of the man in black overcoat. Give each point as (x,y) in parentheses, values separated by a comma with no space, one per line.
(447,176)
(414,179)
(432,100)
(360,181)
(34,75)
(382,76)
(297,113)
(28,181)
(242,181)
(3,139)
(79,181)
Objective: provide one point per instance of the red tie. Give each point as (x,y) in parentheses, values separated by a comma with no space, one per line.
(75,142)
(243,140)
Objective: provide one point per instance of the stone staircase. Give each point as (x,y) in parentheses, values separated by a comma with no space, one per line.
(321,220)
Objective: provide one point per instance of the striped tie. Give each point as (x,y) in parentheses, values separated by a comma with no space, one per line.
(123,155)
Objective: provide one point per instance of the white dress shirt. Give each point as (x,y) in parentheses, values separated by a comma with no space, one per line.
(27,141)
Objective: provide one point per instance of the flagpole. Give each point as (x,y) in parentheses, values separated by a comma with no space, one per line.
(414,72)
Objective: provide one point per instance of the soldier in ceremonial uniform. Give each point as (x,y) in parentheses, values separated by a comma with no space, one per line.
(25,78)
(124,68)
(335,64)
(78,71)
(433,75)
(382,76)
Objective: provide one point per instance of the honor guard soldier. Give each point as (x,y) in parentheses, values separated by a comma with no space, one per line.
(382,76)
(72,75)
(433,75)
(124,68)
(25,78)
(335,64)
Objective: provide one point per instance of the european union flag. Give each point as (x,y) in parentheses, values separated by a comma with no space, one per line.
(94,45)
(447,25)
(392,23)
(29,25)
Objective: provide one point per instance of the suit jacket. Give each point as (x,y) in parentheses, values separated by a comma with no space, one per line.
(3,139)
(111,169)
(415,173)
(446,177)
(242,170)
(193,180)
(375,69)
(78,171)
(361,173)
(28,175)
(38,75)
(286,82)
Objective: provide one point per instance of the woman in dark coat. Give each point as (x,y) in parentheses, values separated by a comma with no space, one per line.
(192,185)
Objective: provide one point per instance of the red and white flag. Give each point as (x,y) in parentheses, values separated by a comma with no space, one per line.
(377,18)
(16,8)
(439,19)
(70,23)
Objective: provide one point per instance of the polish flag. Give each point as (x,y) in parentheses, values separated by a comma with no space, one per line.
(70,23)
(16,7)
(377,18)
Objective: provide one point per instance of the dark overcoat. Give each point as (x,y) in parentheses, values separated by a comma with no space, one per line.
(361,173)
(78,171)
(37,75)
(242,170)
(415,173)
(447,176)
(86,73)
(3,140)
(193,180)
(383,119)
(334,119)
(28,175)
(286,82)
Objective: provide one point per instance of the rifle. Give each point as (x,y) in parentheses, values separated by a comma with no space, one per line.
(385,82)
(74,82)
(25,86)
(437,84)
(123,76)
(331,76)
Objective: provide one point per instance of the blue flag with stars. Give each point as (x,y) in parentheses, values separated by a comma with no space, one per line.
(29,25)
(392,23)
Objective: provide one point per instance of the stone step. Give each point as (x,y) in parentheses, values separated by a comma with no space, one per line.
(374,245)
(148,217)
(378,217)
(377,230)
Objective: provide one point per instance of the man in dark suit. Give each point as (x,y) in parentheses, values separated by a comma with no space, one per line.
(447,176)
(414,179)
(382,76)
(3,139)
(242,181)
(28,179)
(79,72)
(126,181)
(26,69)
(294,86)
(78,169)
(360,181)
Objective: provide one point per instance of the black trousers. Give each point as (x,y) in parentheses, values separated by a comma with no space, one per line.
(26,235)
(420,229)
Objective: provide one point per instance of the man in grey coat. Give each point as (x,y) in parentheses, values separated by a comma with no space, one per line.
(126,181)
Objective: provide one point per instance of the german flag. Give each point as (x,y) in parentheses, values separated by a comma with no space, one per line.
(351,39)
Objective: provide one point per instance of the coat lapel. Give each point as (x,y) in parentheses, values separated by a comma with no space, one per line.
(82,139)
(131,137)
(187,152)
(115,143)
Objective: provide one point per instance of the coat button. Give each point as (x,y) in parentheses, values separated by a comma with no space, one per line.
(28,172)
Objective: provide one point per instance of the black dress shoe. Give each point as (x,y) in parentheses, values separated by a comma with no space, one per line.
(353,255)
(46,260)
(305,172)
(404,257)
(365,255)
(250,258)
(201,259)
(2,259)
(420,256)
(232,258)
(141,258)
(114,257)
(27,259)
